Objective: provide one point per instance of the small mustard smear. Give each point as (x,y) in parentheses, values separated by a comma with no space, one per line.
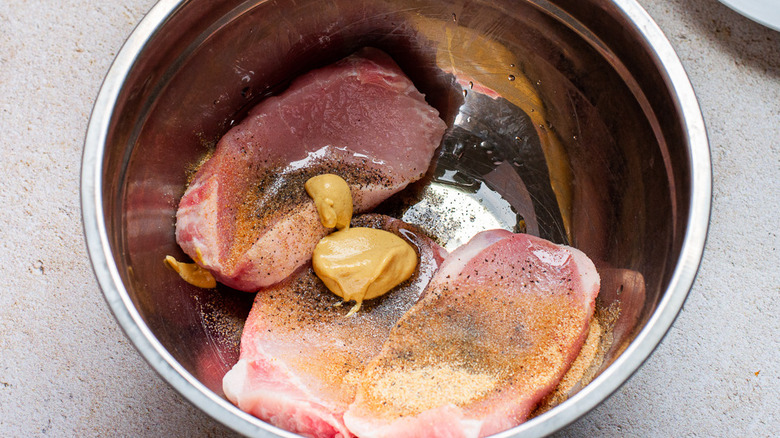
(192,273)
(332,198)
(359,263)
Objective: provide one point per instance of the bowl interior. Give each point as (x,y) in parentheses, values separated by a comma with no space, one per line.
(582,142)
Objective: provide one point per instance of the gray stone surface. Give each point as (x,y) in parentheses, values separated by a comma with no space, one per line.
(66,368)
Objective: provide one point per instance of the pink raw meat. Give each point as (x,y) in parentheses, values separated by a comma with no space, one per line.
(499,325)
(246,217)
(301,357)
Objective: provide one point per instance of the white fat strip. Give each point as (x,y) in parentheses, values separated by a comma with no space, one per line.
(457,260)
(233,382)
(591,281)
(192,217)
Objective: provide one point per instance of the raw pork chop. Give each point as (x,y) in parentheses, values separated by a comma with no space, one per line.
(246,216)
(499,325)
(301,357)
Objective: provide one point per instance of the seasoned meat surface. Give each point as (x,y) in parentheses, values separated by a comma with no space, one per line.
(246,217)
(499,325)
(301,357)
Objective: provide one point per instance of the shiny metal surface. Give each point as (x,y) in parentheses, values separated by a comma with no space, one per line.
(570,119)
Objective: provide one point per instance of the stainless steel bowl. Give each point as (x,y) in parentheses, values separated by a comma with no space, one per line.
(611,155)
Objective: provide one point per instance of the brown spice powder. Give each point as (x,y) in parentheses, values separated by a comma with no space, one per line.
(275,192)
(420,389)
(590,359)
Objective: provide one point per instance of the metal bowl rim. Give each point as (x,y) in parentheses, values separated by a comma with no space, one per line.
(106,271)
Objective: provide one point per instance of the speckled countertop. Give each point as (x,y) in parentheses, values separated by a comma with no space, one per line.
(66,368)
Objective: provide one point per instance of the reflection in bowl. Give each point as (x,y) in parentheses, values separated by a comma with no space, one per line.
(571,120)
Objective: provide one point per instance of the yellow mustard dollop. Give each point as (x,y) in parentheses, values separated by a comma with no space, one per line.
(356,264)
(359,264)
(192,273)
(332,198)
